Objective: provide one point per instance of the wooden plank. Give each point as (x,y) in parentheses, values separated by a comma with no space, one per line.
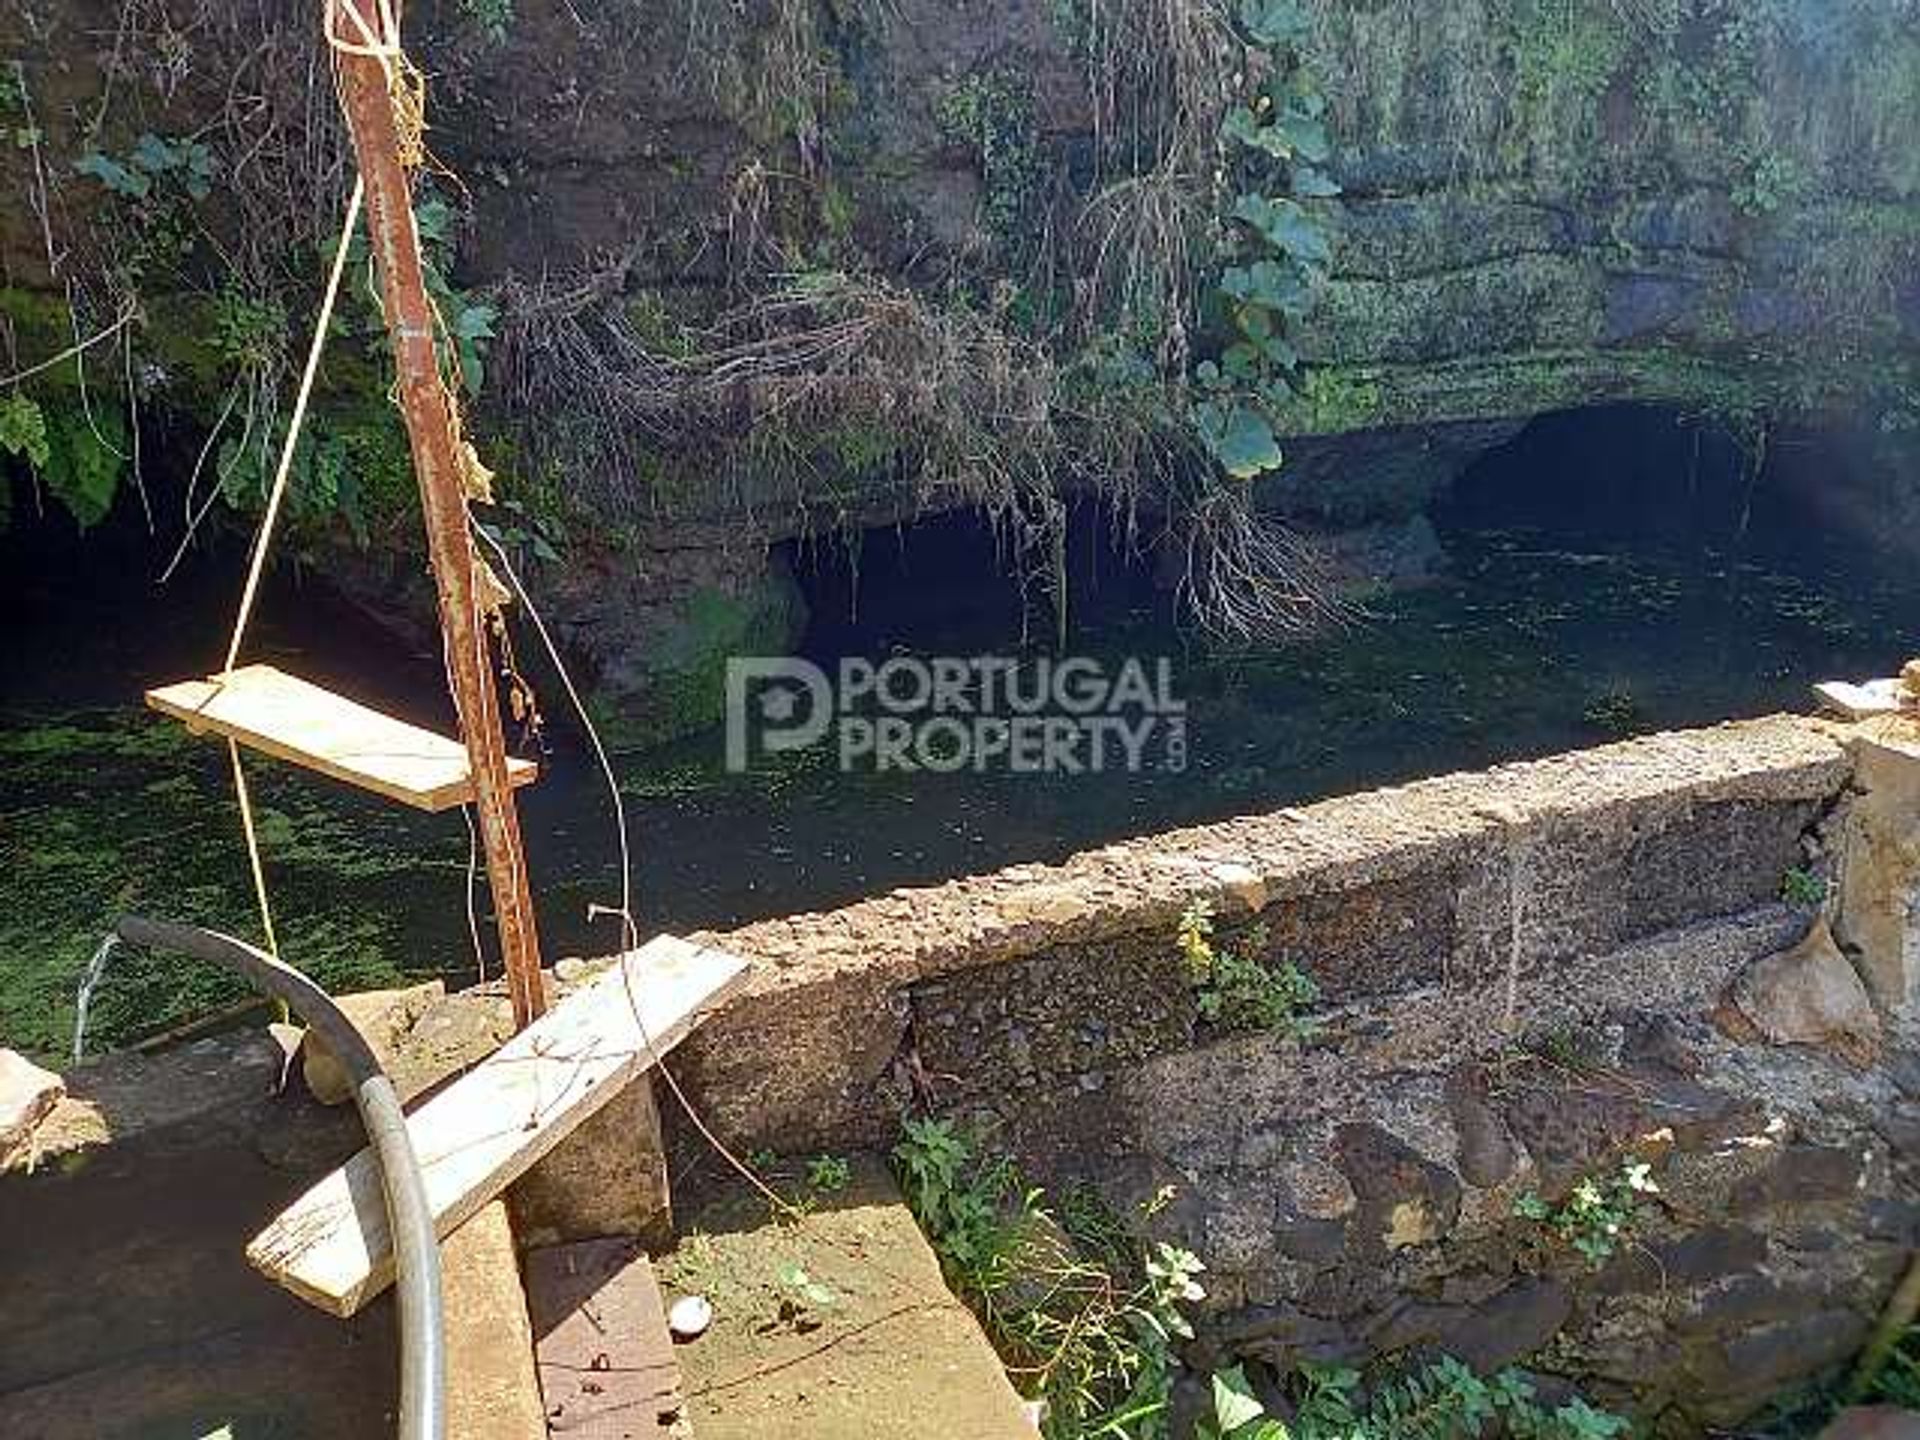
(1858,702)
(600,1341)
(284,716)
(331,1246)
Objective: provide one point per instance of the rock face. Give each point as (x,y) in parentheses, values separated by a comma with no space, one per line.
(1809,995)
(1543,205)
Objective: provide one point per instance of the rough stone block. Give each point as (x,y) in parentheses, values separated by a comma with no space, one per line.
(1810,995)
(384,1017)
(608,1178)
(493,1392)
(1878,918)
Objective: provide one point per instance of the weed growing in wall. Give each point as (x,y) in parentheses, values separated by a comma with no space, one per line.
(1238,993)
(1598,1215)
(1803,888)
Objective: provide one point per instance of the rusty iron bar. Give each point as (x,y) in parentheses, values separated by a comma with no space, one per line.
(443,500)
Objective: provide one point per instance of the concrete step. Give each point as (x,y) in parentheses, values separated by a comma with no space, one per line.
(837,1327)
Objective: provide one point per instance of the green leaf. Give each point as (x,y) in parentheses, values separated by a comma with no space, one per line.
(23,429)
(475,322)
(115,176)
(1270,284)
(154,155)
(1244,127)
(1305,136)
(1285,226)
(84,461)
(1234,1403)
(434,220)
(1311,184)
(1242,440)
(1274,23)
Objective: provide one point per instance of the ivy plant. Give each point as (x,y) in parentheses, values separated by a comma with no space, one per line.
(1274,140)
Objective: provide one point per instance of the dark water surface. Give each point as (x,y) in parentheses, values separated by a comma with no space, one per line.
(1635,600)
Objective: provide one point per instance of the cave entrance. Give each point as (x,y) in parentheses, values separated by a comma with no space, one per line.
(1814,499)
(954,583)
(1615,474)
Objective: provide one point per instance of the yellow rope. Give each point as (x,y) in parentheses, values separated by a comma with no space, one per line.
(264,539)
(253,847)
(407,88)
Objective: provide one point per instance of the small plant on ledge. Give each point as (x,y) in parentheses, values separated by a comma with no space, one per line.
(1239,994)
(1598,1214)
(1803,888)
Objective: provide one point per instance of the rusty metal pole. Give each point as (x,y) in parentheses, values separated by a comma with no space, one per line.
(443,501)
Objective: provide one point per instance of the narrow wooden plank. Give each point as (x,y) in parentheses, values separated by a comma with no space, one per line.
(331,1247)
(286,717)
(1858,702)
(600,1340)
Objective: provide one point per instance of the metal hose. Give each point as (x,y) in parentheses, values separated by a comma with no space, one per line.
(416,1252)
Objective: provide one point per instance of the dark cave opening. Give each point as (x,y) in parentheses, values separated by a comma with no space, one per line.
(1661,479)
(959,580)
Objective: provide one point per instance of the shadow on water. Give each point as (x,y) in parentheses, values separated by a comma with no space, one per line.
(1610,571)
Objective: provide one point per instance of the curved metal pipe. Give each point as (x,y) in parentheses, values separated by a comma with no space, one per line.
(416,1251)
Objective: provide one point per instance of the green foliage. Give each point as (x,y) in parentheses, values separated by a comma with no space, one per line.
(23,430)
(1598,1214)
(1272,140)
(86,454)
(159,185)
(802,1293)
(992,113)
(352,461)
(1240,994)
(1614,710)
(153,165)
(493,18)
(1803,888)
(1329,402)
(1564,55)
(249,334)
(828,1174)
(1770,181)
(467,323)
(1084,1317)
(1441,1400)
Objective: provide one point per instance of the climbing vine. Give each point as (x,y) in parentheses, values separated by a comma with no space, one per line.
(1274,140)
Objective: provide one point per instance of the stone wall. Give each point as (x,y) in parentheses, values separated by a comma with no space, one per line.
(1528,975)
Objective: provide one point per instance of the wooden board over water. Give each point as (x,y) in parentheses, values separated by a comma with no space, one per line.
(284,716)
(332,1246)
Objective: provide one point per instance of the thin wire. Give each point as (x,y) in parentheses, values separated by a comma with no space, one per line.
(629,930)
(72,350)
(473,873)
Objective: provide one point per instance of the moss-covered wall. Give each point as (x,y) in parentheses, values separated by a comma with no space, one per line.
(759,267)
